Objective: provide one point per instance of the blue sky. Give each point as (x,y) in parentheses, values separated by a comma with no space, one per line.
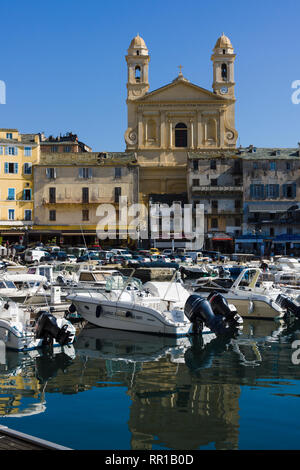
(64,65)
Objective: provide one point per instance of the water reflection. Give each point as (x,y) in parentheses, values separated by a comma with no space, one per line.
(185,393)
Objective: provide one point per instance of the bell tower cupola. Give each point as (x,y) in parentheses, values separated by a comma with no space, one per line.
(137,62)
(223,67)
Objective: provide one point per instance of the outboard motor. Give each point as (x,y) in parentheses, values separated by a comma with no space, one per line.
(198,310)
(48,330)
(221,307)
(288,304)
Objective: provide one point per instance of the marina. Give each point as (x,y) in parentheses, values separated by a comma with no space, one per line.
(203,386)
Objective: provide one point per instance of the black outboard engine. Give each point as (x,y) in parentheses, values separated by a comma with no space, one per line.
(288,304)
(221,307)
(198,310)
(48,330)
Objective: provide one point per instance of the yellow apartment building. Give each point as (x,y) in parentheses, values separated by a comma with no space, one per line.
(18,153)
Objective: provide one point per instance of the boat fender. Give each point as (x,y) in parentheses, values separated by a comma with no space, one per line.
(251,307)
(98,311)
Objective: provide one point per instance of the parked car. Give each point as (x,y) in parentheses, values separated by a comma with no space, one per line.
(32,256)
(120,260)
(167,252)
(186,259)
(60,255)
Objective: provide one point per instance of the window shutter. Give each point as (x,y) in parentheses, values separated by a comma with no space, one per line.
(1,150)
(48,172)
(80,172)
(16,167)
(284,190)
(90,172)
(6,167)
(294,190)
(16,151)
(6,151)
(277,190)
(251,191)
(262,191)
(267,191)
(24,194)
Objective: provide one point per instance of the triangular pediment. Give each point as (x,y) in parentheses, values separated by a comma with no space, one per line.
(181,90)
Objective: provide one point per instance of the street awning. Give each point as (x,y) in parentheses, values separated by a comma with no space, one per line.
(221,237)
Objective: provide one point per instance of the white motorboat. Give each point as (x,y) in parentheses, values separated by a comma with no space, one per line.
(161,308)
(18,331)
(255,298)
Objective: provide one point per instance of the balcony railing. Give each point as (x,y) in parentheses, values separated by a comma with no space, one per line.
(219,189)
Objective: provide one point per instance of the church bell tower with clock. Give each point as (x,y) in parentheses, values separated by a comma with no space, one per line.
(137,62)
(223,67)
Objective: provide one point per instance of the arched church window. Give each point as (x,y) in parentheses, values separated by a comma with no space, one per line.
(180,135)
(137,73)
(137,52)
(224,71)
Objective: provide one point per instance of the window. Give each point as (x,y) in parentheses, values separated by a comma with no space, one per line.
(85,173)
(214,223)
(85,195)
(195,182)
(214,182)
(27,195)
(118,172)
(273,166)
(11,194)
(117,194)
(67,148)
(54,148)
(272,190)
(11,150)
(255,165)
(214,205)
(27,152)
(288,166)
(52,195)
(195,165)
(289,191)
(180,135)
(27,214)
(52,215)
(85,215)
(224,71)
(237,204)
(11,214)
(271,231)
(1,150)
(11,168)
(9,135)
(213,165)
(237,222)
(27,168)
(51,173)
(289,231)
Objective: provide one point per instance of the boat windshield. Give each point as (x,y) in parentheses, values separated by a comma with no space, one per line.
(7,284)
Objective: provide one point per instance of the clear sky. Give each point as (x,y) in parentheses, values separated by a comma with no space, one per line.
(63,62)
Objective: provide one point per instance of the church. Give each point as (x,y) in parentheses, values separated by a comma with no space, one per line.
(171,127)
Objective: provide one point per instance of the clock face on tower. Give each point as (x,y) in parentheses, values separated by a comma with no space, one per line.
(224,90)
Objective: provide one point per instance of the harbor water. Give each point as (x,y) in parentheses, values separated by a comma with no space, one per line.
(129,391)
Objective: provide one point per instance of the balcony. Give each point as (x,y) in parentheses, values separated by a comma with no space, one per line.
(217,189)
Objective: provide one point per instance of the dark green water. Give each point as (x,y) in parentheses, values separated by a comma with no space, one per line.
(117,390)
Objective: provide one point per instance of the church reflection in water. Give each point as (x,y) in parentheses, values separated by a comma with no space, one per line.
(184,393)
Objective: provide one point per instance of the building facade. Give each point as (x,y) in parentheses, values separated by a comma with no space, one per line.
(19,153)
(166,124)
(70,188)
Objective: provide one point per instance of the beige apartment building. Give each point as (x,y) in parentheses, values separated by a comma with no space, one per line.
(70,187)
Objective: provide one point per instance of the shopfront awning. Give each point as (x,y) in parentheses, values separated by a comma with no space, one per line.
(221,237)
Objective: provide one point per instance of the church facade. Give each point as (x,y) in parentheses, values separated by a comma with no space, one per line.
(171,126)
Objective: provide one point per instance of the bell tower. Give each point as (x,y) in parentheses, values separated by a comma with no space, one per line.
(137,62)
(223,67)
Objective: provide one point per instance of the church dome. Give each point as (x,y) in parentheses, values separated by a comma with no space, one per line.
(138,43)
(223,42)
